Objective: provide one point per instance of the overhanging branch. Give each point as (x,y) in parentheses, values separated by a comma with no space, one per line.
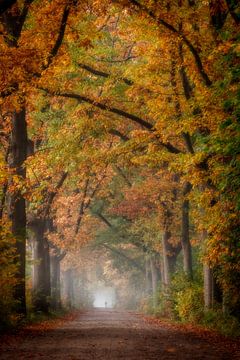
(136,119)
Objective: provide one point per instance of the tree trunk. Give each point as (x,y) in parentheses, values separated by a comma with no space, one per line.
(55,282)
(185,240)
(3,199)
(17,206)
(154,273)
(170,254)
(147,275)
(208,281)
(68,284)
(208,287)
(155,278)
(41,273)
(166,261)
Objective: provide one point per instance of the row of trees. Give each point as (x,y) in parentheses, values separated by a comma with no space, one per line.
(121,116)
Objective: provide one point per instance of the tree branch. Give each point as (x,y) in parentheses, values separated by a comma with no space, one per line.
(136,119)
(60,37)
(120,171)
(86,205)
(102,73)
(232,6)
(118,134)
(180,34)
(82,207)
(104,220)
(105,107)
(120,253)
(17,27)
(6,5)
(54,193)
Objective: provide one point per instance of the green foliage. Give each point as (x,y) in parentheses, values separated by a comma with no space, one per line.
(184,302)
(8,280)
(38,317)
(224,323)
(223,147)
(162,305)
(189,303)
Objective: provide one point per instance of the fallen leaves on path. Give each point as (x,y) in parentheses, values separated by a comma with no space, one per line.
(14,337)
(50,324)
(213,337)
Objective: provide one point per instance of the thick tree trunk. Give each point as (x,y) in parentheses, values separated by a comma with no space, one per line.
(17,206)
(41,273)
(185,240)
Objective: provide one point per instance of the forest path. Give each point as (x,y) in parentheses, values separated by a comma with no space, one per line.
(108,335)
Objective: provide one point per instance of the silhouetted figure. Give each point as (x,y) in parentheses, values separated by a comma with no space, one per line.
(105,304)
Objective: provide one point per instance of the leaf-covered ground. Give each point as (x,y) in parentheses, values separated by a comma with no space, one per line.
(111,334)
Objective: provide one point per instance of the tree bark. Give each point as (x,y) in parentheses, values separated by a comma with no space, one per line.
(55,263)
(68,284)
(155,274)
(155,278)
(166,260)
(17,206)
(208,281)
(147,275)
(208,287)
(55,282)
(41,273)
(170,254)
(185,240)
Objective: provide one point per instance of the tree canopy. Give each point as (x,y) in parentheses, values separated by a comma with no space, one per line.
(120,136)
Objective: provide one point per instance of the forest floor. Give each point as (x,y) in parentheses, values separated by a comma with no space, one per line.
(110,334)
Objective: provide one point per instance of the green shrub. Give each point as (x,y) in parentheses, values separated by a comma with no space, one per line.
(8,280)
(160,305)
(187,298)
(189,303)
(224,323)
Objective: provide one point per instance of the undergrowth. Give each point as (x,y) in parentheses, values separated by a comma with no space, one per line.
(184,303)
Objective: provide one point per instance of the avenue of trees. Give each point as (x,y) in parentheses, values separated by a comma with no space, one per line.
(119,142)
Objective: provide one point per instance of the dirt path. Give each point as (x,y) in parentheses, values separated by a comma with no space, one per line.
(106,334)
